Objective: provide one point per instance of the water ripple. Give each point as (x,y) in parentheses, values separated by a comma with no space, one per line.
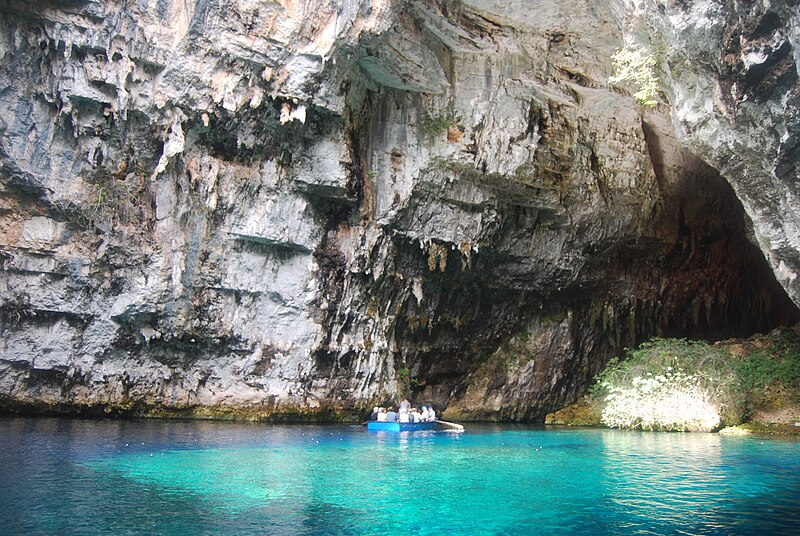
(89,477)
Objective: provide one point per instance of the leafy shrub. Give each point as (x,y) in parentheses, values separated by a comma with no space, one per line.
(671,402)
(671,384)
(637,66)
(674,384)
(406,382)
(770,373)
(779,364)
(435,123)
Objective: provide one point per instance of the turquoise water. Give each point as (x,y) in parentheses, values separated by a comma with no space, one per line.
(159,477)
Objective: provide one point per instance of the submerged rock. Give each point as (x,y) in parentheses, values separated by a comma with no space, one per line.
(270,209)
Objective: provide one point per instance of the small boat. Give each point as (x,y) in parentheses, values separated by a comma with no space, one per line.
(383,426)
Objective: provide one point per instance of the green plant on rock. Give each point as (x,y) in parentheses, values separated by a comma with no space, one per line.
(111,199)
(637,65)
(406,382)
(671,384)
(673,401)
(780,363)
(674,384)
(434,123)
(770,374)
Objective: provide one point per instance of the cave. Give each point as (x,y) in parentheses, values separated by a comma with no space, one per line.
(448,199)
(691,271)
(571,228)
(510,331)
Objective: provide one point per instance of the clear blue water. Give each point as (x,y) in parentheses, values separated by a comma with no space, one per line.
(160,477)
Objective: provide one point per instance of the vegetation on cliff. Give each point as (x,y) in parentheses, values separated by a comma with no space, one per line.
(670,384)
(637,66)
(680,385)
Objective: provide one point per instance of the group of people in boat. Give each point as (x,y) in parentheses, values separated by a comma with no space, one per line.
(405,413)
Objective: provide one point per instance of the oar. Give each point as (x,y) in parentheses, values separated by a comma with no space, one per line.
(452,425)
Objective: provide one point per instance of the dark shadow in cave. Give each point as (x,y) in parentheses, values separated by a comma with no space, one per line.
(714,281)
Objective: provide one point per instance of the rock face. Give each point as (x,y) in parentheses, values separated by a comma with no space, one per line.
(732,72)
(301,209)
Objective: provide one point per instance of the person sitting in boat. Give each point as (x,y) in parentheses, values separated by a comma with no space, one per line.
(381,415)
(391,415)
(405,405)
(404,416)
(424,415)
(416,416)
(428,413)
(374,415)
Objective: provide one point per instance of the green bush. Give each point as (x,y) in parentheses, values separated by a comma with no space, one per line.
(675,384)
(435,123)
(670,384)
(637,66)
(406,382)
(778,364)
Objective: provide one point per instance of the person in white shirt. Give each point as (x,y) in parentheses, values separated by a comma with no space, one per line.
(382,414)
(424,415)
(431,414)
(416,416)
(403,416)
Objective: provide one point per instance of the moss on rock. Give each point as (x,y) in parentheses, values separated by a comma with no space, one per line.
(582,413)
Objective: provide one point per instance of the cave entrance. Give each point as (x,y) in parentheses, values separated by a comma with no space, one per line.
(708,279)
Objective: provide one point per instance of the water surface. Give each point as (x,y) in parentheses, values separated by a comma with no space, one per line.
(167,477)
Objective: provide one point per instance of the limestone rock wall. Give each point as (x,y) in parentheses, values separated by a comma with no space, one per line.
(280,209)
(732,74)
(157,163)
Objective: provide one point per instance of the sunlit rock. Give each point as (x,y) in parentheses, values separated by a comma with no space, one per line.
(268,209)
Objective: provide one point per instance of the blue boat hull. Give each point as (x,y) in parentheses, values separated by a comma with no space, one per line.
(377,426)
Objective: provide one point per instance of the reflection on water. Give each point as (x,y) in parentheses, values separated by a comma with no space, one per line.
(101,477)
(663,482)
(706,483)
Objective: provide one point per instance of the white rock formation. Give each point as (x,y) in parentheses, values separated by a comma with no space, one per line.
(295,209)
